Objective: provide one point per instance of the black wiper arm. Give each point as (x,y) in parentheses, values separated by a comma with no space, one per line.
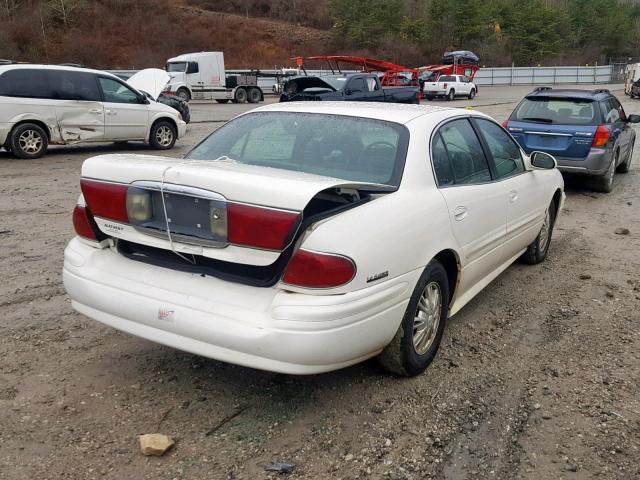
(537,119)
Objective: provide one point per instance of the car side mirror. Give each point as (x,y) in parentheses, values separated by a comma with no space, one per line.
(633,118)
(143,99)
(542,160)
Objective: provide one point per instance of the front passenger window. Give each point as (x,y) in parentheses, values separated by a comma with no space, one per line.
(505,152)
(116,92)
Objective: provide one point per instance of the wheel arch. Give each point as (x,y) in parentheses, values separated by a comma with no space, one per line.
(40,123)
(451,263)
(159,119)
(557,198)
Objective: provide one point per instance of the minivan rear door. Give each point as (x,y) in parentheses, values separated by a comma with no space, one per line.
(563,127)
(78,106)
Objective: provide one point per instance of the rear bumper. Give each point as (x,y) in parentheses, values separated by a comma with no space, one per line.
(595,163)
(264,328)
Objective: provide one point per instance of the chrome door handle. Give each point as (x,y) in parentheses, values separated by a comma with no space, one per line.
(460,213)
(513,196)
(95,111)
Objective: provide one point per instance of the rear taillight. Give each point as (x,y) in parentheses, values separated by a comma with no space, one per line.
(260,227)
(505,124)
(82,223)
(318,270)
(601,137)
(106,200)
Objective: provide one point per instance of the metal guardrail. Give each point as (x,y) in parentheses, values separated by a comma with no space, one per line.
(545,75)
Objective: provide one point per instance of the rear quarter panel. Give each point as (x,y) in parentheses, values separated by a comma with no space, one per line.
(14,110)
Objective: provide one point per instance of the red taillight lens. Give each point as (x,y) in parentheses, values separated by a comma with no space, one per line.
(106,200)
(318,270)
(82,223)
(505,124)
(601,137)
(259,227)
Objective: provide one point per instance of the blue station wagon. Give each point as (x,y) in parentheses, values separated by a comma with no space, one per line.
(587,131)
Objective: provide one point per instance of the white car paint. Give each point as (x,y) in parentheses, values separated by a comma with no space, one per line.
(150,80)
(299,330)
(458,84)
(78,121)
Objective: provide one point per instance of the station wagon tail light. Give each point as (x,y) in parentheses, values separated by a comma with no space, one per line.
(260,227)
(82,223)
(318,270)
(106,200)
(505,124)
(601,137)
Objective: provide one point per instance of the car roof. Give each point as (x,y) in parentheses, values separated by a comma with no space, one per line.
(20,66)
(597,94)
(391,112)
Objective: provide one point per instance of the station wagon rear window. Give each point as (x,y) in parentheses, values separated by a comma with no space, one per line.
(349,148)
(561,111)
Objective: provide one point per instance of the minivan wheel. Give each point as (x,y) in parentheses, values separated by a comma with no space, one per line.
(537,251)
(626,165)
(28,140)
(451,95)
(163,135)
(604,183)
(184,94)
(418,337)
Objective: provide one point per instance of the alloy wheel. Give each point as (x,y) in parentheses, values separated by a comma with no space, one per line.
(164,136)
(30,142)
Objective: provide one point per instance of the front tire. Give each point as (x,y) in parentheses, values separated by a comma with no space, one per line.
(28,140)
(537,251)
(163,135)
(451,95)
(184,94)
(416,342)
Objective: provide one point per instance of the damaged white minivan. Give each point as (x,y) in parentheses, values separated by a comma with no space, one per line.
(47,104)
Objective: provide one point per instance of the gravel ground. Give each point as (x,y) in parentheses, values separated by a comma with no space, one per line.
(537,378)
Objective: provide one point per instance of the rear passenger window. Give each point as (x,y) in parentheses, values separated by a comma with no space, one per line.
(467,162)
(441,164)
(505,152)
(358,85)
(69,85)
(26,83)
(612,111)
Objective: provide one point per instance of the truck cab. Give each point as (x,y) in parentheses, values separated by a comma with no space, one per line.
(202,76)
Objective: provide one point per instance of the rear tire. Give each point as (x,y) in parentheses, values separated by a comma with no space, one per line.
(626,165)
(451,95)
(604,183)
(416,342)
(537,251)
(472,94)
(254,95)
(184,94)
(28,140)
(240,96)
(163,135)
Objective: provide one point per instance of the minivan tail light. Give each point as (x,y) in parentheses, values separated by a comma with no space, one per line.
(318,270)
(82,223)
(260,227)
(601,137)
(106,200)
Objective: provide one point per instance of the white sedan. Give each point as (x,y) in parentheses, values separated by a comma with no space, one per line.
(305,237)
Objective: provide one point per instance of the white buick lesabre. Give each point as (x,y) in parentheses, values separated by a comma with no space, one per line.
(305,237)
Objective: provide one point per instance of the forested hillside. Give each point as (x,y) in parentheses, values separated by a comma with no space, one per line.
(267,33)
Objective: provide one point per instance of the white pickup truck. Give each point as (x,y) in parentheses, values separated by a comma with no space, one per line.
(450,86)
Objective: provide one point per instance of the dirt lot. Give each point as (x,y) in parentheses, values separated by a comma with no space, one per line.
(537,378)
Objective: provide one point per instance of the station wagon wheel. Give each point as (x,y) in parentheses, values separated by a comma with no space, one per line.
(626,165)
(28,140)
(418,337)
(539,248)
(163,135)
(605,182)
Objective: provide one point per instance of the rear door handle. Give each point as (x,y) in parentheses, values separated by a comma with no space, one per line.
(513,196)
(460,213)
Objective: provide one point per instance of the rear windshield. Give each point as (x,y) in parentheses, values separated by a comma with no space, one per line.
(447,78)
(349,148)
(563,111)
